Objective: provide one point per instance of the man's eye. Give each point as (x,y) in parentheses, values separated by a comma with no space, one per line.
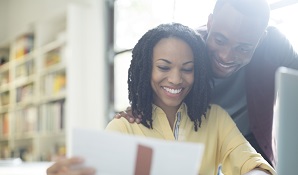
(244,49)
(219,41)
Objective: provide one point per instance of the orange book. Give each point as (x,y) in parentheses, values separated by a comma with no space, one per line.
(5,128)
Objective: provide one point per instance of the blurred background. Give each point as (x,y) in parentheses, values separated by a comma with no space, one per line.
(63,63)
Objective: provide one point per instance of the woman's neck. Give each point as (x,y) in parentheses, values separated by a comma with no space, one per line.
(170,113)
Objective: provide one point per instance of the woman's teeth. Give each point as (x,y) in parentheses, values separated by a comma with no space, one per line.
(172,91)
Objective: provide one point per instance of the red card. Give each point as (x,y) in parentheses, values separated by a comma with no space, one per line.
(143,160)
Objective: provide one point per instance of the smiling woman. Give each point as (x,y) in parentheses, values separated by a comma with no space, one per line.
(135,17)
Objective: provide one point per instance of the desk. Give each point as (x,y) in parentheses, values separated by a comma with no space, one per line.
(32,168)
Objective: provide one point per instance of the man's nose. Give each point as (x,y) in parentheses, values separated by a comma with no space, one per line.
(226,54)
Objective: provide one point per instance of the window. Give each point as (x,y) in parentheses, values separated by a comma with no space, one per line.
(134,17)
(284,19)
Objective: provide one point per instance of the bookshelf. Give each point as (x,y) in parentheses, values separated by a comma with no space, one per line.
(33,80)
(53,76)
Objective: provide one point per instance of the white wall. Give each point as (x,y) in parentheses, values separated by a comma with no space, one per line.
(87,98)
(21,13)
(3,19)
(88,69)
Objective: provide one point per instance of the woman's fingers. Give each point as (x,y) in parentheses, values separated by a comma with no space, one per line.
(63,167)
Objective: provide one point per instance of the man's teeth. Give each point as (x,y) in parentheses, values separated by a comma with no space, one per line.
(172,91)
(224,65)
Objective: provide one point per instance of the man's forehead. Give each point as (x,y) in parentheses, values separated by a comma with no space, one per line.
(234,25)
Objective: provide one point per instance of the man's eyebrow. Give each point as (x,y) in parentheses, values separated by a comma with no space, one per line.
(224,37)
(220,35)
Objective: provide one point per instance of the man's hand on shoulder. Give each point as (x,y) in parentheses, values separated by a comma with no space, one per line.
(127,114)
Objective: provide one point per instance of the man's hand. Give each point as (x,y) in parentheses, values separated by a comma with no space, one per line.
(63,167)
(127,114)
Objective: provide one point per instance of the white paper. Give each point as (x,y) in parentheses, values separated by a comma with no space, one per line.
(113,153)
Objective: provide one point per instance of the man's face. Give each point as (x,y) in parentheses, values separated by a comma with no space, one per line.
(231,41)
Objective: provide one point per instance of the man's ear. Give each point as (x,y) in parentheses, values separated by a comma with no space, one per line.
(263,36)
(209,23)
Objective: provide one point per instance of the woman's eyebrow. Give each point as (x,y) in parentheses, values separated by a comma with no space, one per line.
(169,62)
(187,62)
(165,60)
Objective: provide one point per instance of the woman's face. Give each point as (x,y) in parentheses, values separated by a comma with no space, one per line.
(172,72)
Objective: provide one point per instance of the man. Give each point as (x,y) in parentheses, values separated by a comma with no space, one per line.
(244,54)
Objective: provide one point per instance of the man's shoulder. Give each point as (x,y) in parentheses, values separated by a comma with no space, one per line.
(216,110)
(275,37)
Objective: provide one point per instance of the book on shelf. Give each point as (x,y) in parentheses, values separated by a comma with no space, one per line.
(4,98)
(5,151)
(24,70)
(23,45)
(4,78)
(52,58)
(4,56)
(25,93)
(55,83)
(52,117)
(23,152)
(5,124)
(26,121)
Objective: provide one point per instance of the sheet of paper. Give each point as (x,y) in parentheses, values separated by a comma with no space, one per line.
(115,153)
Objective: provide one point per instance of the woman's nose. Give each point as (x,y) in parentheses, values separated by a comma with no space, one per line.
(175,77)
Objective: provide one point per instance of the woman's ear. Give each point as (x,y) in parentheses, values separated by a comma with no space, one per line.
(209,23)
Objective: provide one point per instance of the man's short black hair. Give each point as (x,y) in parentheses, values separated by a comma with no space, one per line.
(257,9)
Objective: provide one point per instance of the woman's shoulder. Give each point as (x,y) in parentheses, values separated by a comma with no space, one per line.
(123,125)
(118,124)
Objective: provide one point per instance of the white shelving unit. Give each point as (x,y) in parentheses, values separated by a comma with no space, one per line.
(34,94)
(54,87)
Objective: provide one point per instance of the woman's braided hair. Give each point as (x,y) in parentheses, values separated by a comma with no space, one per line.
(139,73)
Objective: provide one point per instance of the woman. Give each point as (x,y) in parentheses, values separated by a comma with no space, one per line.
(167,63)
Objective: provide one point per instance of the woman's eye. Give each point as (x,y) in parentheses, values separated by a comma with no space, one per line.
(163,68)
(188,70)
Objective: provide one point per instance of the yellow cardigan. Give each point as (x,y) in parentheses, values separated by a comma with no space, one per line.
(224,144)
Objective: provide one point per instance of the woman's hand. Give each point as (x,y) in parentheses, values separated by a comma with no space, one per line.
(257,172)
(65,167)
(127,114)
